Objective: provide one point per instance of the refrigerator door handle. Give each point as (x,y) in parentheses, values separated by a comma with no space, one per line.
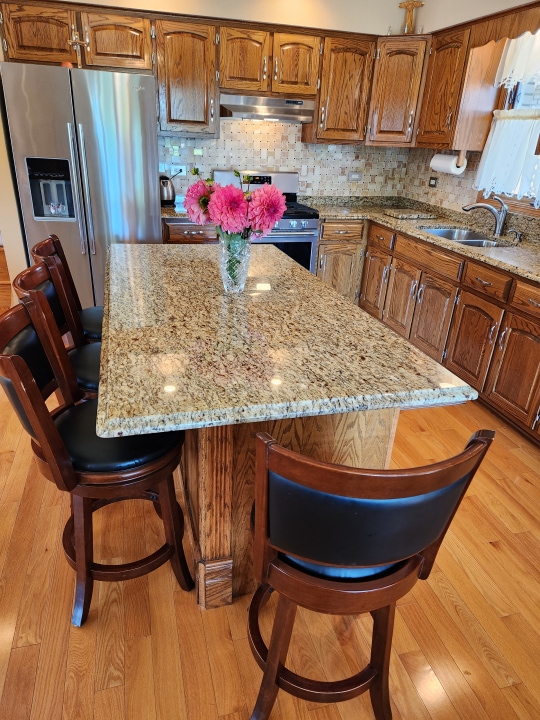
(76,189)
(86,186)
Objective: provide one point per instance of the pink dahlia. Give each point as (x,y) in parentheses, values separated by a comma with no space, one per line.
(196,202)
(266,207)
(228,208)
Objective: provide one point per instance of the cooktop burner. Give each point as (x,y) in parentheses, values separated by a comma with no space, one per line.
(298,210)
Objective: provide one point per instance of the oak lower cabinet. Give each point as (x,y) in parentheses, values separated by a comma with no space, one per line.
(472,338)
(339,266)
(397,82)
(433,311)
(342,104)
(90,39)
(186,70)
(513,383)
(400,298)
(375,281)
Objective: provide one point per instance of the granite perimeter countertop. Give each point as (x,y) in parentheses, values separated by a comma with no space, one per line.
(179,353)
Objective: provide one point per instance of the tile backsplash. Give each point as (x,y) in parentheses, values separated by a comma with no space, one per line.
(324,169)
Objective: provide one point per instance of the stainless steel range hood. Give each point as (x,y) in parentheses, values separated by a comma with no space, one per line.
(267,108)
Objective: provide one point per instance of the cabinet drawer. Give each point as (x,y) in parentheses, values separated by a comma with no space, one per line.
(429,257)
(381,237)
(527,298)
(488,280)
(343,231)
(188,233)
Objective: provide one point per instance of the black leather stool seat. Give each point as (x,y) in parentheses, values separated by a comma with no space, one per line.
(90,453)
(335,572)
(85,361)
(92,321)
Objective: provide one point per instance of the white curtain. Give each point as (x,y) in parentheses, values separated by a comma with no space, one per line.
(508,163)
(520,61)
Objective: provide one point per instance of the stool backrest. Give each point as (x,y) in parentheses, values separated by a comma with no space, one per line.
(29,378)
(51,247)
(342,516)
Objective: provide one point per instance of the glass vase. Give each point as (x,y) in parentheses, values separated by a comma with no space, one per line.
(234,252)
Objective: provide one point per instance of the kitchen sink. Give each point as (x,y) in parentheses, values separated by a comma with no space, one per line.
(463,236)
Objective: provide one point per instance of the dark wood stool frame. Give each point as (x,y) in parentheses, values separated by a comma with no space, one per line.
(275,572)
(90,491)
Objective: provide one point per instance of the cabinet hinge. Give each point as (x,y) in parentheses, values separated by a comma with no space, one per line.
(1,19)
(318,83)
(4,44)
(365,130)
(445,353)
(536,420)
(217,38)
(377,55)
(153,32)
(153,58)
(321,49)
(217,76)
(430,50)
(456,300)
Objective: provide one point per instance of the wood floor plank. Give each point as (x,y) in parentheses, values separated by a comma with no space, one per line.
(109,704)
(16,700)
(140,688)
(79,688)
(136,591)
(110,635)
(430,689)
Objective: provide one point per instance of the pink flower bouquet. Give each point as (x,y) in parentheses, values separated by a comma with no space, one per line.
(237,215)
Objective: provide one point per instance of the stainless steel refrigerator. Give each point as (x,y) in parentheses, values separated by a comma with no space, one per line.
(85,160)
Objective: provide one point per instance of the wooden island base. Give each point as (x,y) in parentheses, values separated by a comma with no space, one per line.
(218,475)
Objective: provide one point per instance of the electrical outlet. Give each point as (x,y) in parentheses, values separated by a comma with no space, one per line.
(355,176)
(178,170)
(433,181)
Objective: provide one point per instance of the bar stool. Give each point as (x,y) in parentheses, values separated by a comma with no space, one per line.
(93,470)
(341,540)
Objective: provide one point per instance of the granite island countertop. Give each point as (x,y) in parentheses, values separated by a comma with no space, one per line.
(178,353)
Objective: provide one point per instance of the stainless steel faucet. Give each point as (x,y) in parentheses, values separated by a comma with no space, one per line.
(499,215)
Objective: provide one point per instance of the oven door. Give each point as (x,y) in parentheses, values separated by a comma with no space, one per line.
(300,246)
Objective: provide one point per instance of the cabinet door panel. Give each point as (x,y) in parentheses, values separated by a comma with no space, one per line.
(513,382)
(295,64)
(244,59)
(40,34)
(432,315)
(401,297)
(187,77)
(374,281)
(396,86)
(472,338)
(339,267)
(347,68)
(440,99)
(116,41)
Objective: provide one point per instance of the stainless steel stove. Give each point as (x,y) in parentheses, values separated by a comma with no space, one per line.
(297,232)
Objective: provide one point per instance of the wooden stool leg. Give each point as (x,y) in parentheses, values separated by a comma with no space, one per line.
(381,645)
(277,654)
(173,523)
(81,509)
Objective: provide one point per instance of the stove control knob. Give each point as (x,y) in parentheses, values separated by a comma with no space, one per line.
(304,223)
(293,223)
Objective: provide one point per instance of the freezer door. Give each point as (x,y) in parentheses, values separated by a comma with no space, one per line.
(43,143)
(115,115)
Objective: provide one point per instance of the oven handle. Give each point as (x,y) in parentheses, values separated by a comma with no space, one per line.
(293,236)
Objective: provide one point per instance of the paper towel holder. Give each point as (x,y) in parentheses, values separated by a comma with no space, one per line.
(462,158)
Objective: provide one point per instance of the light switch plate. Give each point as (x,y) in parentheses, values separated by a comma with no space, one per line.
(355,176)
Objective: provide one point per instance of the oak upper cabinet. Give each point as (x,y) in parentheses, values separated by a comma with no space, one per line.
(259,61)
(435,302)
(295,63)
(513,383)
(341,109)
(186,69)
(117,42)
(440,98)
(397,82)
(39,34)
(472,338)
(244,59)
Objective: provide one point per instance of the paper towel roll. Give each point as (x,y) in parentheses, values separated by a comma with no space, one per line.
(447,164)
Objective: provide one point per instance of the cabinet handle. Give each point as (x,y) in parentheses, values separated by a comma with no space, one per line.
(420,294)
(380,237)
(533,302)
(276,68)
(485,283)
(413,288)
(323,115)
(265,67)
(449,118)
(321,261)
(490,338)
(411,118)
(341,232)
(501,338)
(385,274)
(536,420)
(211,109)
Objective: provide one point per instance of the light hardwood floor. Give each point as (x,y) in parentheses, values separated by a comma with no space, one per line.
(466,643)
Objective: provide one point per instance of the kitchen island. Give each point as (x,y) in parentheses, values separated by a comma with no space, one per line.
(287,356)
